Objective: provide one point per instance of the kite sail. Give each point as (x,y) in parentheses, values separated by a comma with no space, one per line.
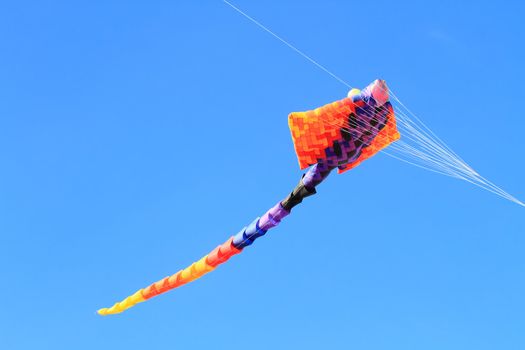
(338,135)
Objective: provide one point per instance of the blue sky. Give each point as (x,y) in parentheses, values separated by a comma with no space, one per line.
(136,136)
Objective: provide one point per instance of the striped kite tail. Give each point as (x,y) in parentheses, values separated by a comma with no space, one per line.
(231,247)
(208,263)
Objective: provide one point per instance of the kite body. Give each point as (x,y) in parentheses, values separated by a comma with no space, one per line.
(344,133)
(339,135)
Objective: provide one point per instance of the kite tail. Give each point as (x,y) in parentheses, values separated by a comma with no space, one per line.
(232,246)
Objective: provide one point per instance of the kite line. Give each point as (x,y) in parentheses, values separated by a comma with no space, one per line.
(420,146)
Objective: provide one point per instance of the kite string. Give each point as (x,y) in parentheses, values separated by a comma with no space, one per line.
(260,25)
(444,167)
(425,137)
(474,176)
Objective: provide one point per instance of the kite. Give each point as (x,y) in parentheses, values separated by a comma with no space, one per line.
(339,135)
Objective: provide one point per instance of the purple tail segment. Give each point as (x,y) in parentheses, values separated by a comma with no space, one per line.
(316,174)
(273,217)
(306,187)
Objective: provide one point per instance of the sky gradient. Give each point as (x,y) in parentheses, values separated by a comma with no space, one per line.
(135,137)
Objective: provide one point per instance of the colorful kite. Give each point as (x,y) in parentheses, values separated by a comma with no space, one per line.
(339,135)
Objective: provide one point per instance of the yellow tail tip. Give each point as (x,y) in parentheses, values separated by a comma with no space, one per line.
(102,312)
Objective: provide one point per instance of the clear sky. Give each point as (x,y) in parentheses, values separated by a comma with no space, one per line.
(136,136)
